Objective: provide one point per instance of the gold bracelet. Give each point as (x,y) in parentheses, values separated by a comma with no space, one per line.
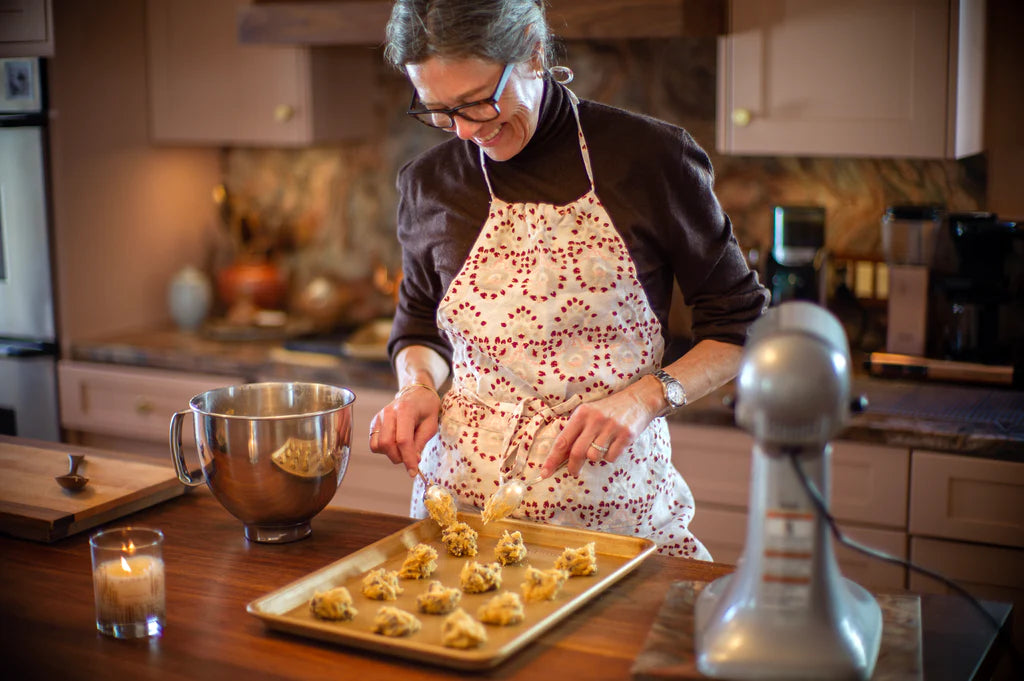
(413,386)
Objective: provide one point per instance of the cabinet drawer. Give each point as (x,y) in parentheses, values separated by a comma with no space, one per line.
(724,533)
(869,482)
(959,497)
(715,462)
(994,572)
(129,402)
(372,482)
(872,573)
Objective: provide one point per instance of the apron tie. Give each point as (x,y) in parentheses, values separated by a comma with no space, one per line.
(529,417)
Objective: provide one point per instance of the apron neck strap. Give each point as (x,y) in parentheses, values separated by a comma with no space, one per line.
(584,151)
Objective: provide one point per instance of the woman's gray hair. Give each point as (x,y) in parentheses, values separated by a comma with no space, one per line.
(501,31)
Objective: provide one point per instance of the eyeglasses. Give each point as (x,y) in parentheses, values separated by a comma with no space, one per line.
(480,111)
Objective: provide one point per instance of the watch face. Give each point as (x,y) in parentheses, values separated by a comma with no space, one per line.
(675,394)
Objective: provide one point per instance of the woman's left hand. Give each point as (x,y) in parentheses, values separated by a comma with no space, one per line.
(597,430)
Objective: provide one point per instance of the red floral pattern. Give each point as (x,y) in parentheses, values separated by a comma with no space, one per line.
(547,313)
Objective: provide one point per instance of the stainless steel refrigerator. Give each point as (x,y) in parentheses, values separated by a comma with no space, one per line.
(28,338)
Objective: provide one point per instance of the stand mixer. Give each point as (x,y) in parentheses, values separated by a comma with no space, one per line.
(787,612)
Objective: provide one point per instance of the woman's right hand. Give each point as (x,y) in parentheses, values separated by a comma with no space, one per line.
(402,429)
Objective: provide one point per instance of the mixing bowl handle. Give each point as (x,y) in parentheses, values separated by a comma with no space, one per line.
(177,456)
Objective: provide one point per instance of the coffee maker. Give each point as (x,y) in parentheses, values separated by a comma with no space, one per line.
(795,268)
(977,297)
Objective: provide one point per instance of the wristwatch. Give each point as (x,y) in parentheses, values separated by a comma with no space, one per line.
(673,390)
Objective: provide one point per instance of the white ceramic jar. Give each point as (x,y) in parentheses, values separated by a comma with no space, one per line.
(189,297)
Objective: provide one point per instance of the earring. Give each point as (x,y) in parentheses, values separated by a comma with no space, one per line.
(539,73)
(561,74)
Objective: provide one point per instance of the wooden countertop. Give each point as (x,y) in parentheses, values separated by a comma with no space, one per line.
(969,420)
(46,611)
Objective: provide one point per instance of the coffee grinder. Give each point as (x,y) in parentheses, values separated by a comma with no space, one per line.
(795,268)
(909,235)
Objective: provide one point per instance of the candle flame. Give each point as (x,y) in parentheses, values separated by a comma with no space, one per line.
(125,566)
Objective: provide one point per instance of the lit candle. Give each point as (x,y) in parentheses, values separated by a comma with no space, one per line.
(128,581)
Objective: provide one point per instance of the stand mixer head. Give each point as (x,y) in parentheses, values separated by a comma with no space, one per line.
(787,612)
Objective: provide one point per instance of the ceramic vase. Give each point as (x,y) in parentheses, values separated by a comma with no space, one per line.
(189,297)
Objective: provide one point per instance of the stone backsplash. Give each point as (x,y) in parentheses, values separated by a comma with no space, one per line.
(332,208)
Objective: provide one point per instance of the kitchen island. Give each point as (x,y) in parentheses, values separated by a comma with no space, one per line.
(47,616)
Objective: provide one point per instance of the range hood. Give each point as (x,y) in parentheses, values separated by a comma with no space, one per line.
(361,22)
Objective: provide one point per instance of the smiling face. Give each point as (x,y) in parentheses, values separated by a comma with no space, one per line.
(447,83)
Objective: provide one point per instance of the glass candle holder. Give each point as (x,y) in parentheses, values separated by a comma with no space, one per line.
(128,581)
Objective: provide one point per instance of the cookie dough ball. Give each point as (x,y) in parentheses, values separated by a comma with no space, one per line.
(392,621)
(381,585)
(460,539)
(333,604)
(477,578)
(543,585)
(578,562)
(420,562)
(462,631)
(504,609)
(438,599)
(441,508)
(510,549)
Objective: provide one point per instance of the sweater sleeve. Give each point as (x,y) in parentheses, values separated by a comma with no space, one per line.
(421,286)
(712,272)
(442,204)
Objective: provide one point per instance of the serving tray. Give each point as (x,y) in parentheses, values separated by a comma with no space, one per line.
(287,609)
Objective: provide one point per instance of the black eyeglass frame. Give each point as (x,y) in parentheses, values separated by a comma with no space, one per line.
(456,111)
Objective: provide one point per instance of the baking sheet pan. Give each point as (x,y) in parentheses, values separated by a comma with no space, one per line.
(287,609)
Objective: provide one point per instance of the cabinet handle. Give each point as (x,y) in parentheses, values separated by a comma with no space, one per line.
(283,113)
(741,117)
(144,406)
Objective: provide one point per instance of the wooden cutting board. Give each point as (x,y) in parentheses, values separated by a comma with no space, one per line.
(669,650)
(33,506)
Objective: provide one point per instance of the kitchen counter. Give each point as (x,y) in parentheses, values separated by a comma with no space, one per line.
(969,420)
(46,611)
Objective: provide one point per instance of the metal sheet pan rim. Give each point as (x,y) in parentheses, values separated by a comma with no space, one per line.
(268,607)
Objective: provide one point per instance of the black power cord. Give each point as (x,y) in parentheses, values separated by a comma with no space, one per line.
(819,505)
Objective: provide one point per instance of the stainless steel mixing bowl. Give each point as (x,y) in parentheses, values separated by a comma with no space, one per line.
(273,454)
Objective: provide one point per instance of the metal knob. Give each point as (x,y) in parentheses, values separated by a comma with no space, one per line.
(741,117)
(283,113)
(144,405)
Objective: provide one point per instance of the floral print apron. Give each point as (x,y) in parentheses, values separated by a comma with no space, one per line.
(545,314)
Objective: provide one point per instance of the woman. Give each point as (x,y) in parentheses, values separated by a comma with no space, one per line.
(540,244)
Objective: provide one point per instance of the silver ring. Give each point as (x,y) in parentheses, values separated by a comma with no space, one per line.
(603,450)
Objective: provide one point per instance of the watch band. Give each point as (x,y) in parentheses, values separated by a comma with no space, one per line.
(673,391)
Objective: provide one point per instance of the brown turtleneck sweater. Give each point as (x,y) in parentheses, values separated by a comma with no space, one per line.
(652,177)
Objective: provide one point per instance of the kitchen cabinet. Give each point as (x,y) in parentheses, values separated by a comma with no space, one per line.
(968,499)
(372,482)
(869,78)
(26,28)
(362,22)
(967,523)
(206,88)
(869,497)
(128,408)
(960,516)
